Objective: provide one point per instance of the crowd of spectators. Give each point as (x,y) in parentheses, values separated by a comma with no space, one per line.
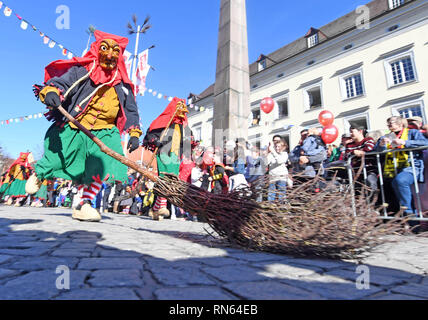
(240,165)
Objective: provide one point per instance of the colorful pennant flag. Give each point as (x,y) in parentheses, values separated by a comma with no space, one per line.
(7,12)
(24,25)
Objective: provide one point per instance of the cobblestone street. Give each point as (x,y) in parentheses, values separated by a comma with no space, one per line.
(129,257)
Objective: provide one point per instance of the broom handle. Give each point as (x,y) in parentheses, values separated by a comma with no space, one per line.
(107,150)
(164,132)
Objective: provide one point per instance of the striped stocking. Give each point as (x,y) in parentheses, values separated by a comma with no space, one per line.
(160,203)
(89,193)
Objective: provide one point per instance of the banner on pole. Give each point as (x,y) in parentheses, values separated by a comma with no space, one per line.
(142,71)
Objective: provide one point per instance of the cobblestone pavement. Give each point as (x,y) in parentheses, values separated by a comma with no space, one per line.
(129,257)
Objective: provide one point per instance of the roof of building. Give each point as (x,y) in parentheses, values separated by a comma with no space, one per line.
(331,30)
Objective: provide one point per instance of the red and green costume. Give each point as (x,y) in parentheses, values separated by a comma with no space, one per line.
(103,102)
(174,143)
(17,176)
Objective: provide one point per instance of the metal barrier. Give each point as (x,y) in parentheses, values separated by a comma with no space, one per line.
(410,151)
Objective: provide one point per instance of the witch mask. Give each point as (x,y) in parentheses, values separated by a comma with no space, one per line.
(109,52)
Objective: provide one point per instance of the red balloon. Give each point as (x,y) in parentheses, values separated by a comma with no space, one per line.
(267,105)
(329,134)
(326,118)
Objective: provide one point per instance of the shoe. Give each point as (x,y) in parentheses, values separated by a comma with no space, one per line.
(86,213)
(164,212)
(151,213)
(157,216)
(33,184)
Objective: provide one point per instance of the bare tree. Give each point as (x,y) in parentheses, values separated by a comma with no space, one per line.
(5,160)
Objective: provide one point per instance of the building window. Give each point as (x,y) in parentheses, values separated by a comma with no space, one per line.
(412,110)
(282,108)
(352,85)
(395,3)
(256,117)
(197,133)
(356,122)
(400,70)
(313,40)
(312,97)
(262,64)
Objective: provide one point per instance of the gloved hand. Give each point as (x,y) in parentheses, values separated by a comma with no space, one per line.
(52,100)
(133,144)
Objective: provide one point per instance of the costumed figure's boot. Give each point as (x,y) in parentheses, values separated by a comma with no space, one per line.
(9,201)
(18,202)
(164,212)
(84,211)
(159,209)
(33,184)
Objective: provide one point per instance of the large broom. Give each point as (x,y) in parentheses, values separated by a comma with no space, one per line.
(307,224)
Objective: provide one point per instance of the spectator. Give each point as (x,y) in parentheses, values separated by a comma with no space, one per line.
(256,169)
(359,146)
(218,178)
(126,201)
(185,169)
(402,176)
(278,172)
(277,138)
(106,194)
(297,151)
(313,153)
(239,162)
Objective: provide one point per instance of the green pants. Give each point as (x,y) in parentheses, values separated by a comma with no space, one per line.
(168,163)
(71,155)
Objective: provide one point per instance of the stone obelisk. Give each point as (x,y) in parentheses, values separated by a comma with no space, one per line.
(232,85)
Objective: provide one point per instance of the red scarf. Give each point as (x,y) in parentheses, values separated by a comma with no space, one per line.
(163,120)
(98,75)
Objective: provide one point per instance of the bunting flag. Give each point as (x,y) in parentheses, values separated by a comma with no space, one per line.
(7,12)
(21,119)
(24,26)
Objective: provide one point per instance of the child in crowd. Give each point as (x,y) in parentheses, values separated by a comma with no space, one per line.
(218,178)
(278,172)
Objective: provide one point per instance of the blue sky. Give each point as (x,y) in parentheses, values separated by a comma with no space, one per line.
(184,33)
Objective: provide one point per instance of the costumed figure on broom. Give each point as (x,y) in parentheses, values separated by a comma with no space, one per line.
(16,178)
(98,93)
(167,137)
